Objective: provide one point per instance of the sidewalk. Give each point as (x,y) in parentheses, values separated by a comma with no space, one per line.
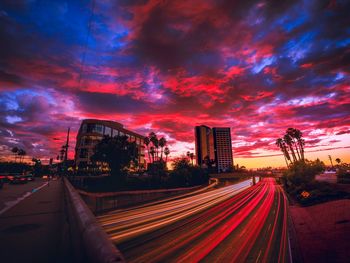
(35,230)
(323,231)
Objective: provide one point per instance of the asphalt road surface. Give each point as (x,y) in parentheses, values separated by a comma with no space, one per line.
(11,194)
(238,223)
(35,229)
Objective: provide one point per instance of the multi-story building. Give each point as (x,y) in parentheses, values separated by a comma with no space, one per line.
(204,143)
(214,148)
(92,131)
(223,149)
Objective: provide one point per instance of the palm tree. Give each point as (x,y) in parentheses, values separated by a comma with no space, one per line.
(301,143)
(289,141)
(285,148)
(298,136)
(166,152)
(338,160)
(15,150)
(280,143)
(153,138)
(146,141)
(152,151)
(162,143)
(156,146)
(21,153)
(292,134)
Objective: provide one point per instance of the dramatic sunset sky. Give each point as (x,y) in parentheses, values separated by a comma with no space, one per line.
(258,67)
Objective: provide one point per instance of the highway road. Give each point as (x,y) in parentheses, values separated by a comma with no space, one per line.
(12,194)
(237,223)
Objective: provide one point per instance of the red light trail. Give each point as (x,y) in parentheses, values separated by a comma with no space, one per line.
(250,225)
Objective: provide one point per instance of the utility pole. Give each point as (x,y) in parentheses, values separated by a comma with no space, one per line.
(64,153)
(66,146)
(330,158)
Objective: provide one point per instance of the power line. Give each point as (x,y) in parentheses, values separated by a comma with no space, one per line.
(82,64)
(280,154)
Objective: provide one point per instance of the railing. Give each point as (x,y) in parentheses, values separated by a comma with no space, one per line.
(90,242)
(102,202)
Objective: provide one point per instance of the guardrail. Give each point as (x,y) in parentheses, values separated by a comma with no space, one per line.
(100,203)
(90,242)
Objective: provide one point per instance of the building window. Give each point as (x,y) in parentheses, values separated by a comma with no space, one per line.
(98,128)
(86,141)
(115,133)
(90,127)
(108,131)
(84,128)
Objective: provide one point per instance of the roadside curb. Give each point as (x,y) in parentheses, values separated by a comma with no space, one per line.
(295,251)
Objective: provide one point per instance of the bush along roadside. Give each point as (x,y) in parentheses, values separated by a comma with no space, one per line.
(299,182)
(343,173)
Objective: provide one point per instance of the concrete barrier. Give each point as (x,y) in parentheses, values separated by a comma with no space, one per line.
(90,242)
(100,203)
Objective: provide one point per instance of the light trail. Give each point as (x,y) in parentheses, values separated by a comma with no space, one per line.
(124,225)
(232,224)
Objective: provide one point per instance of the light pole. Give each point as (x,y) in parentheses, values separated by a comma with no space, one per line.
(330,158)
(63,154)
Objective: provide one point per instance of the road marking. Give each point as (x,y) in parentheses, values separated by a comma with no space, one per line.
(11,204)
(290,250)
(258,256)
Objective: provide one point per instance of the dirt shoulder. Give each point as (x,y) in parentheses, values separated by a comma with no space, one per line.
(323,231)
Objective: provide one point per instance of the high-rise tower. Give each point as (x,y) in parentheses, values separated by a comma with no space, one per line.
(223,149)
(214,148)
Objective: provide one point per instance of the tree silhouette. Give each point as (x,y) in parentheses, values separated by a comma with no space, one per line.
(281,144)
(153,138)
(300,141)
(162,143)
(21,153)
(152,152)
(291,132)
(14,150)
(117,152)
(146,141)
(166,152)
(289,141)
(292,144)
(153,144)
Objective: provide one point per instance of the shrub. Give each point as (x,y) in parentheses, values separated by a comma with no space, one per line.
(185,174)
(299,182)
(303,171)
(343,174)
